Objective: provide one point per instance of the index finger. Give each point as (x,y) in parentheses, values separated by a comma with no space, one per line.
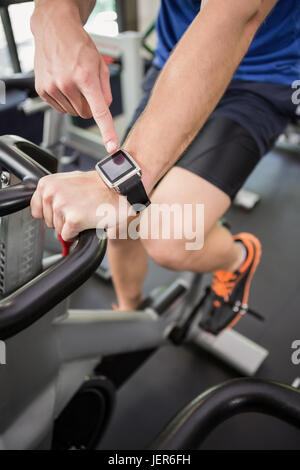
(101,113)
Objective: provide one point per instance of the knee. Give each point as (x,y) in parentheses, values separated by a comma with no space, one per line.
(173,255)
(164,253)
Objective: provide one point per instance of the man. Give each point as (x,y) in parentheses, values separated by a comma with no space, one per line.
(221,98)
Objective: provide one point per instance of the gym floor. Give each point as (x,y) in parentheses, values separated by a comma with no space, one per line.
(172,376)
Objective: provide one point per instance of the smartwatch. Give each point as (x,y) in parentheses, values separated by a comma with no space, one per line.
(120,172)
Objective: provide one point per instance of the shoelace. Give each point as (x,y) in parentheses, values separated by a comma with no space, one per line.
(223,283)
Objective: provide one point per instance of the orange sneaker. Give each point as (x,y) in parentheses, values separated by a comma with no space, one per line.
(227,300)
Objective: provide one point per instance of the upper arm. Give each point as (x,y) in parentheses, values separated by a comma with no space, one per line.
(265,8)
(245,10)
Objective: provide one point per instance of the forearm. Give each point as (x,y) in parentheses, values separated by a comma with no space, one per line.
(190,85)
(78,10)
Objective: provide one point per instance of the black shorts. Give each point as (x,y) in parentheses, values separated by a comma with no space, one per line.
(243,127)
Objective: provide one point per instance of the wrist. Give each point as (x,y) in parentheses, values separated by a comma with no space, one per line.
(149,178)
(122,174)
(54,9)
(104,193)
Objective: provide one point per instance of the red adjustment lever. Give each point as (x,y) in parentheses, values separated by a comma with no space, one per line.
(65,245)
(108,59)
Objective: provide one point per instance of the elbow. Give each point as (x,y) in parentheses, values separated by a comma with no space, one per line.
(244,12)
(251,10)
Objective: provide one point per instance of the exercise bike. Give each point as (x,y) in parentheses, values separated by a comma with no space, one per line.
(49,395)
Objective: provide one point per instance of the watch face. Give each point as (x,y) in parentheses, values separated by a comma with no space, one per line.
(116,166)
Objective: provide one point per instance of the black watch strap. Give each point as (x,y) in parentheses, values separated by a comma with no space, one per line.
(135,192)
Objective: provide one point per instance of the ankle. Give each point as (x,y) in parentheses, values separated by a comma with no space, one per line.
(239,255)
(130,304)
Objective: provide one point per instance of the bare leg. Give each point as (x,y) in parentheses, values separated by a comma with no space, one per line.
(128,263)
(128,258)
(219,251)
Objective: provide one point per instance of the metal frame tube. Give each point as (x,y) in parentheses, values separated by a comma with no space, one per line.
(10,39)
(200,417)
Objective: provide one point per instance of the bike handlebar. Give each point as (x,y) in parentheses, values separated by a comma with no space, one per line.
(30,302)
(189,429)
(15,157)
(20,81)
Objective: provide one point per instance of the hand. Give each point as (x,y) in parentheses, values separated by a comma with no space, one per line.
(70,73)
(69,202)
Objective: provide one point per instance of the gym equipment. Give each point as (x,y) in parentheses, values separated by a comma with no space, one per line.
(52,349)
(246,199)
(193,424)
(290,139)
(147,33)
